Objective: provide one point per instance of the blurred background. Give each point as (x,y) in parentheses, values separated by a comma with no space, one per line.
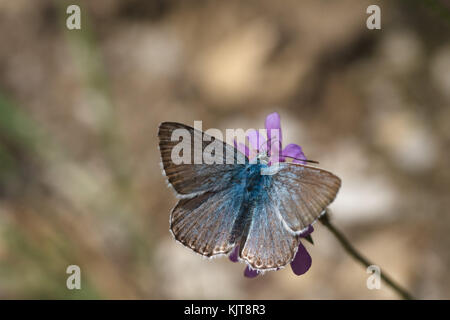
(80,181)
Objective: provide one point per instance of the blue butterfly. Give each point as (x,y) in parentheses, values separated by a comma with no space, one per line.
(226,205)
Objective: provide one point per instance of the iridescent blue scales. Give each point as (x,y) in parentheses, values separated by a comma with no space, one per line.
(224,205)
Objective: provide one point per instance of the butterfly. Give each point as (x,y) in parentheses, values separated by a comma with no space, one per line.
(233,204)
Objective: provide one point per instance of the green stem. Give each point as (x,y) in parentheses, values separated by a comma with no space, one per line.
(325,220)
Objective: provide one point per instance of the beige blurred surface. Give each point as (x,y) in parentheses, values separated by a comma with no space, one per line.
(80,180)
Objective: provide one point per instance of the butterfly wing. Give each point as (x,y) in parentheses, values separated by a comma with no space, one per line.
(289,202)
(206,217)
(206,223)
(302,193)
(216,213)
(189,179)
(269,244)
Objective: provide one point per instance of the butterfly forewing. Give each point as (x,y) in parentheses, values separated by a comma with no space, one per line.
(189,178)
(302,193)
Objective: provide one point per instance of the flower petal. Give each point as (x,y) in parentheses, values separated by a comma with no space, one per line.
(302,261)
(250,273)
(242,148)
(307,232)
(294,151)
(276,154)
(273,127)
(257,140)
(234,255)
(273,121)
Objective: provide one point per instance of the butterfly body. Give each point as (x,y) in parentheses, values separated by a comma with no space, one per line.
(226,205)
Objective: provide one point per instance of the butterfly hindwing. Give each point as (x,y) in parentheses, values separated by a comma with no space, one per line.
(268,243)
(205,223)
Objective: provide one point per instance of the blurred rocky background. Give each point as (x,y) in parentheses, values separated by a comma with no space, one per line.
(80,181)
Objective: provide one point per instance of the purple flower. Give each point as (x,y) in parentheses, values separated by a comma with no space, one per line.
(273,147)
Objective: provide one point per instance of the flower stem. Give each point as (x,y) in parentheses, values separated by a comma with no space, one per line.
(325,220)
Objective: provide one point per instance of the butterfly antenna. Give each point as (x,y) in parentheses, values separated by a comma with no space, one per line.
(267,141)
(310,161)
(305,160)
(271,142)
